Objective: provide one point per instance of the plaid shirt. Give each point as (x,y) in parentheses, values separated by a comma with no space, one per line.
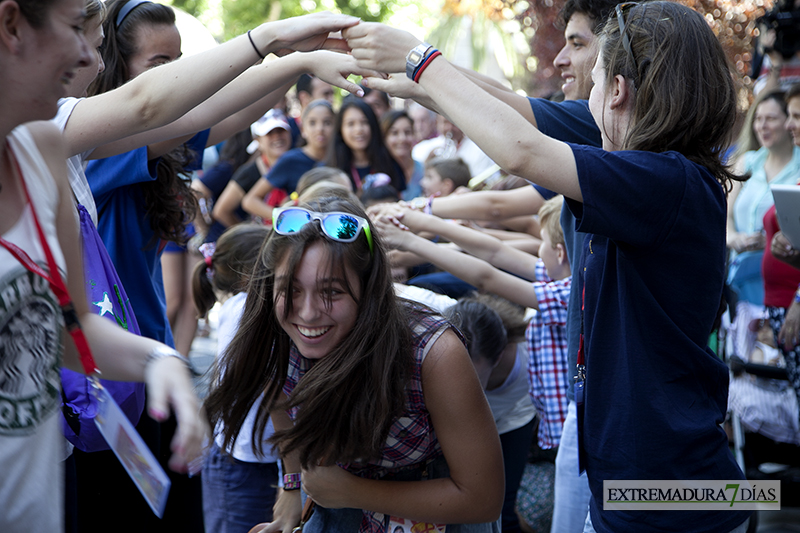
(412,440)
(547,348)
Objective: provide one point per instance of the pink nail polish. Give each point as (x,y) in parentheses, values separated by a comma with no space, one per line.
(157,415)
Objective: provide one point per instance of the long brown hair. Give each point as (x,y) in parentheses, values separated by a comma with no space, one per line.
(684,90)
(348,399)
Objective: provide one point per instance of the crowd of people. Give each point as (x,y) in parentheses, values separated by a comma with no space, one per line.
(443,306)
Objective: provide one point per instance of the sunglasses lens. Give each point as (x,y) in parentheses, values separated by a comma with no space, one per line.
(291,220)
(341,227)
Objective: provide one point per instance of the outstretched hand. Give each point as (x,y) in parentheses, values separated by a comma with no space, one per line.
(393,233)
(380,47)
(334,68)
(310,32)
(398,85)
(169,386)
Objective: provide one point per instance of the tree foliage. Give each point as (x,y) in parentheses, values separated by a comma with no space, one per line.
(237,16)
(537,20)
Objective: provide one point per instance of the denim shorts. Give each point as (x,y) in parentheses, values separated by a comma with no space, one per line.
(349,520)
(236,495)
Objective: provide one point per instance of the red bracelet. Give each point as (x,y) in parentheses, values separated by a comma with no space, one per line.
(424,65)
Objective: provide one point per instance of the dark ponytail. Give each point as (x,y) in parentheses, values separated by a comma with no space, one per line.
(229,268)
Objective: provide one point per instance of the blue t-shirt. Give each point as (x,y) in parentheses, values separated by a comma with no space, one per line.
(568,121)
(289,168)
(413,187)
(125,230)
(217,177)
(653,271)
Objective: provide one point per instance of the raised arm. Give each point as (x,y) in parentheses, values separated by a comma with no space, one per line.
(242,101)
(482,246)
(253,201)
(468,437)
(499,91)
(474,271)
(505,136)
(489,205)
(165,93)
(226,205)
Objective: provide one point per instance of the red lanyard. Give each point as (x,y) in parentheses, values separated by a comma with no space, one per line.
(54,278)
(356,178)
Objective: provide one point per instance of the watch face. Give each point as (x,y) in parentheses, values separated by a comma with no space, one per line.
(414,57)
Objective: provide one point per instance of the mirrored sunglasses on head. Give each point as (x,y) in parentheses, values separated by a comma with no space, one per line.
(336,225)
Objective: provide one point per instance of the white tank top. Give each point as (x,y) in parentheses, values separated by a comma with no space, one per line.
(31,445)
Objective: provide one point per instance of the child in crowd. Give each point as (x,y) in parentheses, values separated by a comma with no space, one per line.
(443,176)
(494,329)
(238,483)
(323,174)
(381,409)
(548,293)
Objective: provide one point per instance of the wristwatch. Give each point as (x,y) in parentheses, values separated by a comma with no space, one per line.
(415,57)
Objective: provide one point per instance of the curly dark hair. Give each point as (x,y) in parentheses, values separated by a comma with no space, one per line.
(170,202)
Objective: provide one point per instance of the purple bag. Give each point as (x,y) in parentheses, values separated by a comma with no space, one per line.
(106,296)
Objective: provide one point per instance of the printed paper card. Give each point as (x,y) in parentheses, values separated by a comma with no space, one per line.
(132,452)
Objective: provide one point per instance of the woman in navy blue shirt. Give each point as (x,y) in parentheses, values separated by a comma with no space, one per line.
(653,203)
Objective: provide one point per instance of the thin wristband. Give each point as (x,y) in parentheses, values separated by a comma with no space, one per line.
(433,55)
(262,56)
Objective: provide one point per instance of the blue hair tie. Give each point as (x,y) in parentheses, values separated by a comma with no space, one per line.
(127,8)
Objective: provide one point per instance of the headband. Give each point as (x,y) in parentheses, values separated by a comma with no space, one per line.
(318,103)
(129,6)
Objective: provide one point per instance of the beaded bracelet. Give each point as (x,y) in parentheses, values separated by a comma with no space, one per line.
(291,481)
